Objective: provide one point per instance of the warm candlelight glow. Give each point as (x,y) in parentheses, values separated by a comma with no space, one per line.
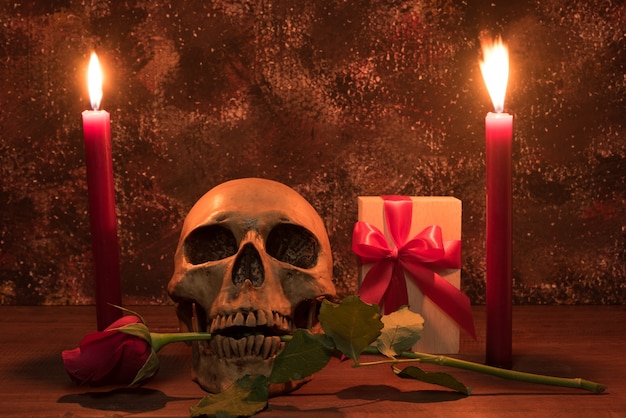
(94,81)
(498,245)
(101,193)
(495,69)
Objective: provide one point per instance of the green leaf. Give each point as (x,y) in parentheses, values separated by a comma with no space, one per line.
(138,330)
(244,398)
(401,330)
(436,378)
(304,355)
(149,369)
(352,324)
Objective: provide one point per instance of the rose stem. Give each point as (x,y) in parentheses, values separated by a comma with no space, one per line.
(576,383)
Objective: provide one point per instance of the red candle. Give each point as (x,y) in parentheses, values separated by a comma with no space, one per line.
(97,136)
(499,135)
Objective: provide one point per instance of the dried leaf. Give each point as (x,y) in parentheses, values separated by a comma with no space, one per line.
(401,330)
(244,398)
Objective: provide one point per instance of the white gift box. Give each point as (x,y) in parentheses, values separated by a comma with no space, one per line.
(441,333)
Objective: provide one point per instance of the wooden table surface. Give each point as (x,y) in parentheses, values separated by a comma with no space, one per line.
(568,341)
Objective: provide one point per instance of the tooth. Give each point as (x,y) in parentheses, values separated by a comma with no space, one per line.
(194,318)
(250,345)
(234,348)
(275,344)
(228,351)
(217,345)
(241,347)
(229,321)
(267,346)
(251,320)
(220,348)
(258,344)
(210,348)
(276,319)
(213,325)
(261,318)
(238,319)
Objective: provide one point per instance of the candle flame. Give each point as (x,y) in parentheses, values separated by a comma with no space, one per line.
(495,69)
(94,81)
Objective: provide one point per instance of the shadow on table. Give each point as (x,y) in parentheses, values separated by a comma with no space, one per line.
(132,400)
(45,368)
(389,393)
(302,413)
(364,394)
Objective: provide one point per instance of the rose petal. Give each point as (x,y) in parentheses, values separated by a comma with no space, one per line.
(109,356)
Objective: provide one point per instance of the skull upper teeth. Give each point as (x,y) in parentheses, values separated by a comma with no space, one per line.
(250,319)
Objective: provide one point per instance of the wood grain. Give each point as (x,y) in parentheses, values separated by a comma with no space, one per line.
(566,341)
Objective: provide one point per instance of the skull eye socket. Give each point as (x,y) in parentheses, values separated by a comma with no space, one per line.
(209,243)
(294,245)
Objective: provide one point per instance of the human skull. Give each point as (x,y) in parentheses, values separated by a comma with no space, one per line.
(253,263)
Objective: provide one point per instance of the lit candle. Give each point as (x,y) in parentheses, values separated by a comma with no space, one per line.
(97,136)
(499,134)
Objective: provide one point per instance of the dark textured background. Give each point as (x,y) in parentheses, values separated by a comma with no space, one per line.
(333,98)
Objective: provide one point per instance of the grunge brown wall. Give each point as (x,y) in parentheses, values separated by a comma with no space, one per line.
(334,98)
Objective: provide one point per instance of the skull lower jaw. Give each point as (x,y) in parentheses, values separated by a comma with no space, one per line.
(215,373)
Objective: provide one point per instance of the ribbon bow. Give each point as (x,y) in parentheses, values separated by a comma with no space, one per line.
(418,256)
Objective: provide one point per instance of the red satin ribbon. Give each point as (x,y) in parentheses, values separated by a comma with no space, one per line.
(418,256)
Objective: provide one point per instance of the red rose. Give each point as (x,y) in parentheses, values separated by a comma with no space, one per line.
(112,357)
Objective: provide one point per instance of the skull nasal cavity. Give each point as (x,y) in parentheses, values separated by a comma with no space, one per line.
(248,265)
